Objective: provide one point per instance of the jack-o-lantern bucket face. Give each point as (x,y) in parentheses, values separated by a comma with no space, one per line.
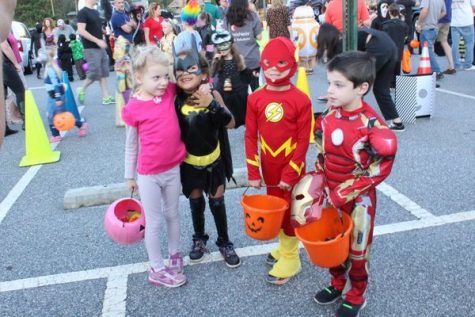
(64,121)
(255,225)
(263,215)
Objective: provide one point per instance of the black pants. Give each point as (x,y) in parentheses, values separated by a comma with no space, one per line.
(12,80)
(382,82)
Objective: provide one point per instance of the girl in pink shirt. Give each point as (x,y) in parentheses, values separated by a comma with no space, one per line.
(154,150)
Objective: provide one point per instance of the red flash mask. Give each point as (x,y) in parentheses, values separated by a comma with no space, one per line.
(278,50)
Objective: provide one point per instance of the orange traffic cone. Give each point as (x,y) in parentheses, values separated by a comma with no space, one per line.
(424,64)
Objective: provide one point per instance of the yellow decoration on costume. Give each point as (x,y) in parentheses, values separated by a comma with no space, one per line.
(297,168)
(287,146)
(187,109)
(255,162)
(274,112)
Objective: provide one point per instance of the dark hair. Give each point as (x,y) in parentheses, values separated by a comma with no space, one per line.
(61,39)
(72,37)
(203,65)
(358,67)
(205,17)
(218,64)
(394,10)
(238,13)
(328,39)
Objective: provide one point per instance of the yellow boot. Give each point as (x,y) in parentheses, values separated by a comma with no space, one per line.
(288,264)
(274,255)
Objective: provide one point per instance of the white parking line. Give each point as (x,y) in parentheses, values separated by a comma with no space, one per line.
(403,201)
(21,185)
(455,93)
(115,296)
(125,270)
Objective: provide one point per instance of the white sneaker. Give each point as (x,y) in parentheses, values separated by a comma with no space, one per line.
(470,68)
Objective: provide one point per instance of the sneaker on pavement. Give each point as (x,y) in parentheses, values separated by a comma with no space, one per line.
(108,100)
(83,129)
(327,296)
(54,139)
(470,68)
(449,71)
(198,250)
(166,277)
(397,127)
(81,95)
(230,256)
(280,280)
(175,262)
(270,260)
(349,310)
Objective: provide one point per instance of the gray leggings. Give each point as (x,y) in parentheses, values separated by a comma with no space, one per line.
(159,194)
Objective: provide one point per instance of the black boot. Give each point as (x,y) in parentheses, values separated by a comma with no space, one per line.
(21,109)
(198,250)
(226,248)
(38,70)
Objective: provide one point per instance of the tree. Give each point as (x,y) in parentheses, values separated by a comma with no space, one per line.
(31,12)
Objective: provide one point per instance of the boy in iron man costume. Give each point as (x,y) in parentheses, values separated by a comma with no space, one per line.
(280,115)
(356,152)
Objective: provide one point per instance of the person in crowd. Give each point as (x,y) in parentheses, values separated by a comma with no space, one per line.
(353,165)
(78,55)
(62,28)
(443,36)
(166,43)
(153,24)
(154,151)
(232,78)
(398,32)
(431,12)
(461,26)
(379,45)
(206,30)
(137,15)
(121,22)
(246,29)
(278,20)
(55,88)
(37,48)
(189,36)
(334,14)
(90,30)
(223,9)
(48,34)
(407,14)
(65,56)
(382,14)
(213,12)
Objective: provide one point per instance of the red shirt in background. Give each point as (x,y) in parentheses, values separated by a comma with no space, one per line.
(334,13)
(155,28)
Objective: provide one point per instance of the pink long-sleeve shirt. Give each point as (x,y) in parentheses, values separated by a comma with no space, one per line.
(153,141)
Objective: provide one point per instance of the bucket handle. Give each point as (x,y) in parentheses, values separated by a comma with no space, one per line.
(340,214)
(268,186)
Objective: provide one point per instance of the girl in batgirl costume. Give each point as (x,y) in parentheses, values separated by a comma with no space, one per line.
(203,121)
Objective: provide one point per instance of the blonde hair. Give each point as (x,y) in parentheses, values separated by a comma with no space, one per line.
(277,3)
(152,10)
(144,56)
(51,62)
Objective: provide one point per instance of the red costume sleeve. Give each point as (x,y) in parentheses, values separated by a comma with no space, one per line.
(252,155)
(318,132)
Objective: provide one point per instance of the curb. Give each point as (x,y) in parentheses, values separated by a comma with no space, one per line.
(106,194)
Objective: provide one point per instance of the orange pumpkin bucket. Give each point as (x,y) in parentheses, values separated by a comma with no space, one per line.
(327,240)
(263,215)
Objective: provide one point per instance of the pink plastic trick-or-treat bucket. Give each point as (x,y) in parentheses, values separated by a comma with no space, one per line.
(124,221)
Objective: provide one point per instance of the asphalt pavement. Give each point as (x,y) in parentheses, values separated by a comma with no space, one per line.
(57,262)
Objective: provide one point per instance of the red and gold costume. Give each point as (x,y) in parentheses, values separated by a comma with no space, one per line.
(280,121)
(356,152)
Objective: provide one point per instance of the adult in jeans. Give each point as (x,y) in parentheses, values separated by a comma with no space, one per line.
(90,30)
(121,22)
(246,29)
(380,46)
(431,12)
(462,26)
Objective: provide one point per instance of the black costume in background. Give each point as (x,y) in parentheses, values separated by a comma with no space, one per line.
(201,131)
(377,22)
(408,5)
(65,56)
(383,49)
(236,99)
(35,47)
(398,32)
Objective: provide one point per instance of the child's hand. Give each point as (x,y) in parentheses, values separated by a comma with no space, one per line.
(256,183)
(284,186)
(255,73)
(202,100)
(132,185)
(205,88)
(58,103)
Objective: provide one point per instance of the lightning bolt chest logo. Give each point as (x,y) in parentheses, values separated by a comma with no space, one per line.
(274,112)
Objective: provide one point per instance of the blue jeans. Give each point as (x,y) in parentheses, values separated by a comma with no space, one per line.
(430,36)
(467,33)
